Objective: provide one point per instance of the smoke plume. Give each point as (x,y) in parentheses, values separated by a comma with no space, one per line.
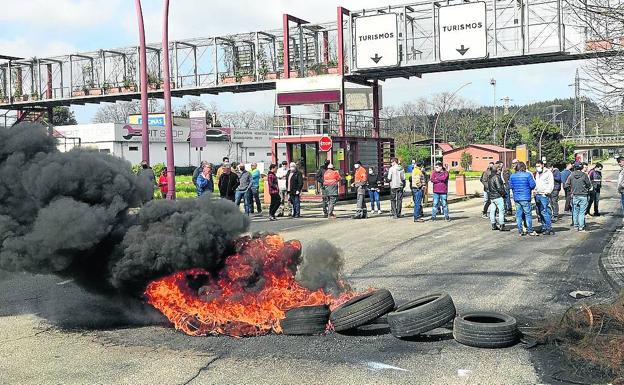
(322,267)
(68,214)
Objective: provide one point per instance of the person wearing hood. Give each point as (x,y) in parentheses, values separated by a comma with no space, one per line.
(497,193)
(522,185)
(544,185)
(243,191)
(319,179)
(439,179)
(417,184)
(331,182)
(485,177)
(580,185)
(595,176)
(396,179)
(228,182)
(360,183)
(294,186)
(373,190)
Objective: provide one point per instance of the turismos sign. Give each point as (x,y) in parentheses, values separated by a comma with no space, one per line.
(376,41)
(463,31)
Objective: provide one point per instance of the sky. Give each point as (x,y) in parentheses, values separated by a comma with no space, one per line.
(44,28)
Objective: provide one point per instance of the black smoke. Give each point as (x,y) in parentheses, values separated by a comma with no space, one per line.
(71,214)
(322,267)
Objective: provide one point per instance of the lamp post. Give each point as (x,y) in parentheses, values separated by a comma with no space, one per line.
(435,125)
(507,128)
(544,129)
(493,83)
(143,84)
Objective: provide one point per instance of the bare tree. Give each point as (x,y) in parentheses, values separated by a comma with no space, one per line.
(191,104)
(119,112)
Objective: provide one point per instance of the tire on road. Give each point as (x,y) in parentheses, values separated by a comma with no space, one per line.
(306,320)
(422,315)
(486,330)
(361,310)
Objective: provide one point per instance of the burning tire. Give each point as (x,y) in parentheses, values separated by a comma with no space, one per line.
(306,320)
(486,330)
(361,310)
(421,315)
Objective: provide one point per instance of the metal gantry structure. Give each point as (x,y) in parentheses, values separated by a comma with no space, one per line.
(518,32)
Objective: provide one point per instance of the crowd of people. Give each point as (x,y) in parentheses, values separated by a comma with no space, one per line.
(539,191)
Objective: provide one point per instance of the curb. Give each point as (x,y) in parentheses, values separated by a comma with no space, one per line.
(612,260)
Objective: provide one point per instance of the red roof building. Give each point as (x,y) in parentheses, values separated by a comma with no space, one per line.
(482,155)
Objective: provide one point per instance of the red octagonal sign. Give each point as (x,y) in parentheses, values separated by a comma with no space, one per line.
(325,143)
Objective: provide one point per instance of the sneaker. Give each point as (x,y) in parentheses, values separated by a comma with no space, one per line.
(534,234)
(494,227)
(523,233)
(503,228)
(549,232)
(484,216)
(378,211)
(582,230)
(596,214)
(272,218)
(448,219)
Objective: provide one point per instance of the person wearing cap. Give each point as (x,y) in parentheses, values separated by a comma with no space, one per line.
(331,183)
(440,178)
(360,182)
(294,186)
(281,183)
(319,179)
(580,185)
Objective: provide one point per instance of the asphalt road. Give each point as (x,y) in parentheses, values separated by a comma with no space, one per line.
(52,332)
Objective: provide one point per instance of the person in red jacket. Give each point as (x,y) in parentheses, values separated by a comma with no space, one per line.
(331,181)
(360,183)
(274,192)
(163,182)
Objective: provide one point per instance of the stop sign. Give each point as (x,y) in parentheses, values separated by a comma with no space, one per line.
(325,143)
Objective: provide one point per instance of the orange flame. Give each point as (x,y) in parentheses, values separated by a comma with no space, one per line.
(250,296)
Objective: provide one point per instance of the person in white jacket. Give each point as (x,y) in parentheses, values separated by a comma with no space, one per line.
(396,178)
(544,185)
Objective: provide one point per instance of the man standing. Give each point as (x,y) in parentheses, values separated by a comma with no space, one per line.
(360,182)
(255,188)
(281,183)
(294,185)
(319,180)
(220,170)
(243,191)
(544,185)
(579,186)
(147,174)
(565,174)
(199,170)
(497,194)
(417,184)
(331,182)
(554,196)
(396,178)
(504,172)
(439,178)
(485,177)
(273,192)
(522,184)
(595,177)
(228,182)
(620,184)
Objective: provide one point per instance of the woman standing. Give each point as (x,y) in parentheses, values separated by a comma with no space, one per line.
(163,183)
(373,190)
(274,191)
(204,181)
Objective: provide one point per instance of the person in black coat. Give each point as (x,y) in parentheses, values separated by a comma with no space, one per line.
(294,186)
(228,182)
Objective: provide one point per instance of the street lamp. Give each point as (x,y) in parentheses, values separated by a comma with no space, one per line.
(493,83)
(435,125)
(544,129)
(507,128)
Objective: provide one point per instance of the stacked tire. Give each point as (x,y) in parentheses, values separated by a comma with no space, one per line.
(422,315)
(362,310)
(306,320)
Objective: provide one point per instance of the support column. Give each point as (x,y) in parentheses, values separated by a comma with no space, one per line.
(340,47)
(49,88)
(325,48)
(287,109)
(50,113)
(143,84)
(376,108)
(167,101)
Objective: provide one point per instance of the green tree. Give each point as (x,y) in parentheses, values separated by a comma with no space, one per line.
(549,136)
(407,152)
(62,116)
(466,160)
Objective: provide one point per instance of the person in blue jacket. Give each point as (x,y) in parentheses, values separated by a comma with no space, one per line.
(522,185)
(204,181)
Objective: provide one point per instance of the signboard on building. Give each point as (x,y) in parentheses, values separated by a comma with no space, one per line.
(376,41)
(197,121)
(309,90)
(132,133)
(463,31)
(157,120)
(253,137)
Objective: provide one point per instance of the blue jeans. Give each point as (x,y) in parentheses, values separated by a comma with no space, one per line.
(498,203)
(417,195)
(295,200)
(579,207)
(439,200)
(523,211)
(543,206)
(246,195)
(374,198)
(508,199)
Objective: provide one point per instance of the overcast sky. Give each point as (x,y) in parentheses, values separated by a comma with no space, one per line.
(43,27)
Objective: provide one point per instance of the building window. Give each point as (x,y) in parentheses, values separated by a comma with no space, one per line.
(133,148)
(252,154)
(105,150)
(454,163)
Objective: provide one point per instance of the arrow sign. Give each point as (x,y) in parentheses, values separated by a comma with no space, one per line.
(377,58)
(462,51)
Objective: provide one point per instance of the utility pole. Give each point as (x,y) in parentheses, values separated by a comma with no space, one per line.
(583,100)
(554,114)
(493,84)
(506,101)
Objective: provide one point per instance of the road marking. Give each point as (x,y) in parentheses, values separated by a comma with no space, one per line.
(65,282)
(379,366)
